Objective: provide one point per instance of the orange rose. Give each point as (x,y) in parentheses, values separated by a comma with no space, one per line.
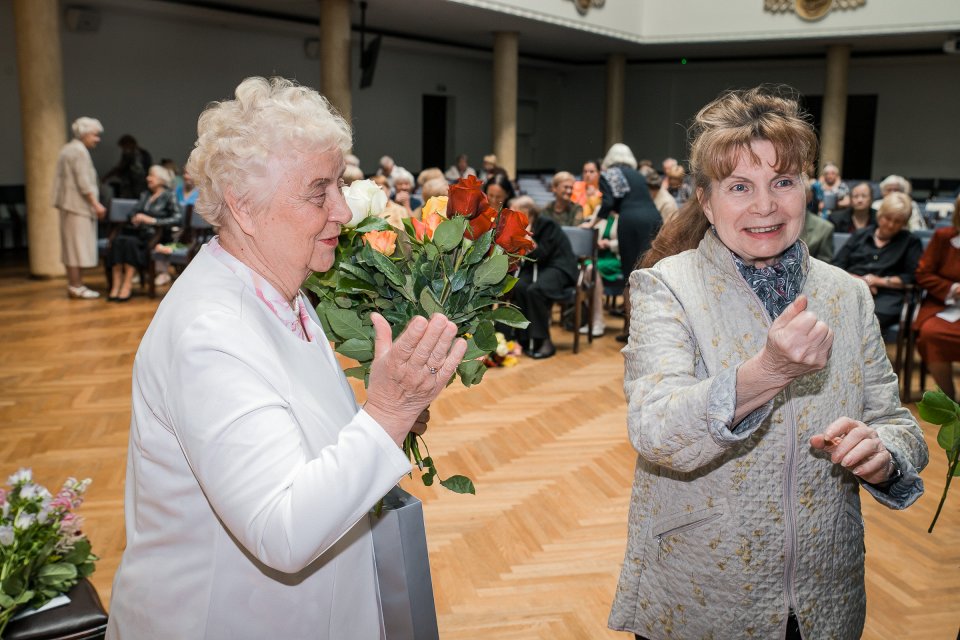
(384,242)
(424,228)
(479,225)
(466,198)
(512,232)
(436,204)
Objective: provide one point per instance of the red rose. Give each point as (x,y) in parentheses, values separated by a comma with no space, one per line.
(512,232)
(480,224)
(466,198)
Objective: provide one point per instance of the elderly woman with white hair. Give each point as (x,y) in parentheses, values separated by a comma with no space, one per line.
(129,250)
(75,195)
(625,192)
(251,467)
(898,184)
(884,255)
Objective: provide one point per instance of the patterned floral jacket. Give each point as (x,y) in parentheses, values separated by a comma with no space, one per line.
(732,525)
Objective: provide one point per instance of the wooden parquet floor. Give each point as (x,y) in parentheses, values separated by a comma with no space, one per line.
(535,554)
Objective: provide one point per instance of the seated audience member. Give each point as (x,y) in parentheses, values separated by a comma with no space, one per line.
(388,169)
(662,199)
(174,170)
(351,160)
(488,168)
(832,191)
(858,215)
(428,174)
(899,184)
(393,213)
(668,165)
(645,164)
(817,234)
(499,190)
(609,269)
(128,179)
(586,191)
(885,256)
(679,188)
(129,250)
(939,274)
(351,173)
(563,210)
(403,190)
(186,193)
(460,169)
(543,279)
(436,187)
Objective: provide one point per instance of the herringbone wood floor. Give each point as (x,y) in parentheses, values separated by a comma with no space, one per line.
(535,554)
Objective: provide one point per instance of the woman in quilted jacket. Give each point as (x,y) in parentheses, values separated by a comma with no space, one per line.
(760,401)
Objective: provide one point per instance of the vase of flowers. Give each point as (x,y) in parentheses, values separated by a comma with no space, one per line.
(455,259)
(43,552)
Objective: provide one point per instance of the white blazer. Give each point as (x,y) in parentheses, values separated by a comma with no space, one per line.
(249,476)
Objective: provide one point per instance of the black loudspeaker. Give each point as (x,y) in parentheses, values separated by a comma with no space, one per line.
(81,19)
(368,62)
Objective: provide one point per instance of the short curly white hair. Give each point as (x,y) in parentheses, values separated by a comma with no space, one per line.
(84,125)
(236,140)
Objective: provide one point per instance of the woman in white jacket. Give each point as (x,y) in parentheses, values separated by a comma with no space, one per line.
(251,468)
(761,401)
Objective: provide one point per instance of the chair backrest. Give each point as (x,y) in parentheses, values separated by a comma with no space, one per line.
(839,239)
(583,241)
(121,208)
(924,235)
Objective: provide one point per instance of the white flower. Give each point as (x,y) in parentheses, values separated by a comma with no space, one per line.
(23,475)
(6,535)
(24,520)
(29,491)
(502,350)
(365,199)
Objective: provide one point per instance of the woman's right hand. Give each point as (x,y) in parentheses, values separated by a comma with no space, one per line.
(797,343)
(401,383)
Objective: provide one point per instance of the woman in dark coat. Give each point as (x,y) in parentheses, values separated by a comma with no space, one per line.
(130,250)
(544,278)
(625,192)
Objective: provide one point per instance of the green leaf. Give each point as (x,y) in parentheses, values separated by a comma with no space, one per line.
(937,408)
(384,265)
(449,234)
(6,602)
(492,271)
(480,248)
(471,372)
(459,484)
(346,324)
(949,436)
(360,373)
(508,284)
(54,573)
(473,351)
(459,280)
(486,336)
(357,272)
(431,251)
(373,223)
(79,553)
(359,350)
(429,302)
(355,285)
(509,316)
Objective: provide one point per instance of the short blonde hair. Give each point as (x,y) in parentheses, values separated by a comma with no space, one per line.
(896,205)
(561,176)
(428,174)
(351,173)
(84,125)
(237,139)
(435,187)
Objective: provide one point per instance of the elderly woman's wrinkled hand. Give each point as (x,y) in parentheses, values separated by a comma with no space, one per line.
(797,343)
(407,375)
(857,447)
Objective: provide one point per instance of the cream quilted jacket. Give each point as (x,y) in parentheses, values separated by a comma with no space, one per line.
(731,526)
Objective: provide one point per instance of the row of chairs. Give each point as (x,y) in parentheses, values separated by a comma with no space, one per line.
(194,232)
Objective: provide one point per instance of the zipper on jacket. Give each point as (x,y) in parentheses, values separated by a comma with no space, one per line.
(681,529)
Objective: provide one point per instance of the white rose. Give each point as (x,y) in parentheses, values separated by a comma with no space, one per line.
(365,199)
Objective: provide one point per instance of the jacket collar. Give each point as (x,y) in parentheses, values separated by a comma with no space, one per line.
(717,254)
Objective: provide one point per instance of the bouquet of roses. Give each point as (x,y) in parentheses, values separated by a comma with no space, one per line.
(455,260)
(506,354)
(42,551)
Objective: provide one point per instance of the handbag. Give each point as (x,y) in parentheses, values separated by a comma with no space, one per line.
(83,618)
(403,569)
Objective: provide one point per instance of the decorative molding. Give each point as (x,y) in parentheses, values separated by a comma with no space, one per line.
(811,9)
(584,5)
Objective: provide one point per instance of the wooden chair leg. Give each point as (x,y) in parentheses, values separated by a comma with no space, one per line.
(576,322)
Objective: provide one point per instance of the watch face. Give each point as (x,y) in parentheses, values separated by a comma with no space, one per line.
(813,9)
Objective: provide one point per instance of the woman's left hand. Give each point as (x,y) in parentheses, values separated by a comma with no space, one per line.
(141,218)
(857,447)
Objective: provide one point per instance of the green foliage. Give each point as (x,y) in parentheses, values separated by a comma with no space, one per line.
(451,274)
(937,408)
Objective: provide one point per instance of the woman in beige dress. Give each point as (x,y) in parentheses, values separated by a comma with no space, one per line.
(75,194)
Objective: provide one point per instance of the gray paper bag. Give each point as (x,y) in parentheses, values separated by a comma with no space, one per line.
(403,569)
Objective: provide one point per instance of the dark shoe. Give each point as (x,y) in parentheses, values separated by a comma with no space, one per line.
(112,298)
(545,351)
(623,337)
(119,299)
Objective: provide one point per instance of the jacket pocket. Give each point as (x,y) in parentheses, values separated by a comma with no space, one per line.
(676,524)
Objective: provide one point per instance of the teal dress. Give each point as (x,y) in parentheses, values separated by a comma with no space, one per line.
(607,261)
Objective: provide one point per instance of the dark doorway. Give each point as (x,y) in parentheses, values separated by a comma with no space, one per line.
(858,133)
(434,131)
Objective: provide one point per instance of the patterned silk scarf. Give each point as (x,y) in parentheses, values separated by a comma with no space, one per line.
(776,285)
(619,186)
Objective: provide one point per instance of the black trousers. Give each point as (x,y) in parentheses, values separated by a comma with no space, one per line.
(536,298)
